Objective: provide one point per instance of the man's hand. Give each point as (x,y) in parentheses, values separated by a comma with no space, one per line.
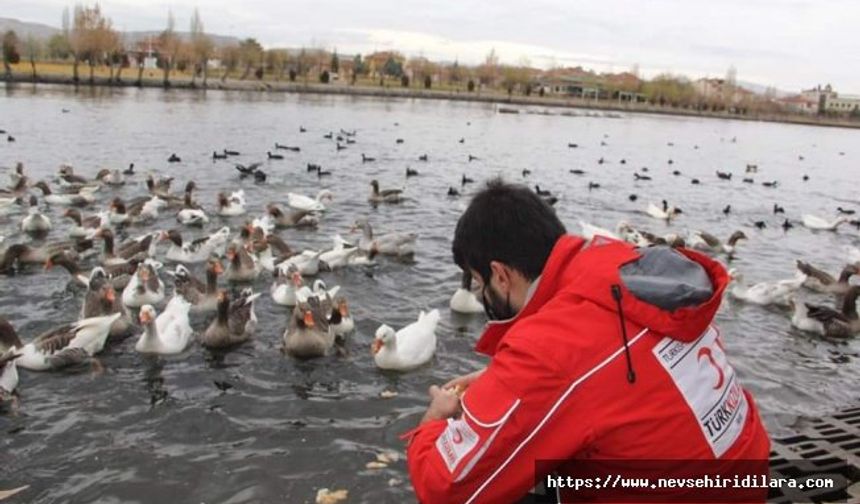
(463,382)
(443,404)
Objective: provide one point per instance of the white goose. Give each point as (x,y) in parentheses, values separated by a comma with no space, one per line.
(8,372)
(341,255)
(664,213)
(308,262)
(85,197)
(765,293)
(464,300)
(192,217)
(800,318)
(232,206)
(196,251)
(35,221)
(286,283)
(853,254)
(408,348)
(589,231)
(169,333)
(66,345)
(814,222)
(150,209)
(145,287)
(302,202)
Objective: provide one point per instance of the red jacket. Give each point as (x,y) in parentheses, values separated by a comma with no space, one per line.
(557,386)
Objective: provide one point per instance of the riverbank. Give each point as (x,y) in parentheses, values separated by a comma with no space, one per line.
(394,91)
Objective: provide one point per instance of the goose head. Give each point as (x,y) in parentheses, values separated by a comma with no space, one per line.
(736,237)
(146,316)
(8,336)
(385,336)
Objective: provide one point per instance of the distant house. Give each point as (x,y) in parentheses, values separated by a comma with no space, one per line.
(799,104)
(829,101)
(577,82)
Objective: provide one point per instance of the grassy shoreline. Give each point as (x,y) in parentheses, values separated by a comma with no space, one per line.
(154,80)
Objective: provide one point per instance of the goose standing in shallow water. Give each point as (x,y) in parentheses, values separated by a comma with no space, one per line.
(397,244)
(309,334)
(408,348)
(464,300)
(168,333)
(826,321)
(235,322)
(821,281)
(813,222)
(66,345)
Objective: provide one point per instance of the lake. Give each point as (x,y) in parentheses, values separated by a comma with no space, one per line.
(160,429)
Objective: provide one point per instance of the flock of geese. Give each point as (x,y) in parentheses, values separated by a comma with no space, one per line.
(838,321)
(126,283)
(144,286)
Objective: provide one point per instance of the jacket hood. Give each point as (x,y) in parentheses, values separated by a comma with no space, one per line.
(673,292)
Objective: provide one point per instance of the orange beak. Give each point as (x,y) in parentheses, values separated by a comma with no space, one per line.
(218,268)
(376,346)
(110,295)
(309,319)
(231,254)
(145,317)
(49,264)
(162,236)
(297,279)
(344,311)
(144,274)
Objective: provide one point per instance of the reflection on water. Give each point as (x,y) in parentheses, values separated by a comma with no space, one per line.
(251,425)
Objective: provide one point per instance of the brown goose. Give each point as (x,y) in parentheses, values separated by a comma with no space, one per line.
(241,266)
(296,218)
(826,321)
(385,195)
(202,296)
(22,254)
(821,281)
(101,300)
(119,274)
(122,254)
(160,188)
(66,345)
(308,334)
(235,323)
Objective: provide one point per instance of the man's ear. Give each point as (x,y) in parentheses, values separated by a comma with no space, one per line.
(502,274)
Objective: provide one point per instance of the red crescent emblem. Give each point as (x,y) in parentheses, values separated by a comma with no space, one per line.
(707,353)
(457,438)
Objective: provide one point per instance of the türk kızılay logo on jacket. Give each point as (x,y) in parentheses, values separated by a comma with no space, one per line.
(709,384)
(456,442)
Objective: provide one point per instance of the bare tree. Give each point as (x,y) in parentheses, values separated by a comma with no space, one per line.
(250,55)
(77,39)
(201,48)
(230,57)
(169,47)
(11,53)
(33,50)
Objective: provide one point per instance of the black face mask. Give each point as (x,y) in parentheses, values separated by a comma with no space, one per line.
(494,306)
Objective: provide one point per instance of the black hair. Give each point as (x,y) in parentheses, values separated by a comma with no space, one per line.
(507,223)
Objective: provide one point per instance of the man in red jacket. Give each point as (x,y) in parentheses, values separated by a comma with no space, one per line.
(599,351)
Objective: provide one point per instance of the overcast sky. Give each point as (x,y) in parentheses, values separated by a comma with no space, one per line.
(787,43)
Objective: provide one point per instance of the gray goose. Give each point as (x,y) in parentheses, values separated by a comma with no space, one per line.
(235,323)
(821,281)
(101,300)
(385,195)
(202,296)
(308,334)
(826,321)
(295,218)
